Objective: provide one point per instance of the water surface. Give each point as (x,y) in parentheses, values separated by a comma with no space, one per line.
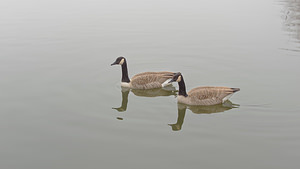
(62,105)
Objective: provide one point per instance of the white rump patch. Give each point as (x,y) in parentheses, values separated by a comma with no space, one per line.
(166,83)
(227,97)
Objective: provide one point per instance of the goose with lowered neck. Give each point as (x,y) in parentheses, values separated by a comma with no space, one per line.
(146,80)
(202,95)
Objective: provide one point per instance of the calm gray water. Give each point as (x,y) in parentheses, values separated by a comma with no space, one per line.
(62,105)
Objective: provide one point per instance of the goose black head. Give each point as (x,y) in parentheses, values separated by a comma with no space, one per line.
(176,77)
(119,61)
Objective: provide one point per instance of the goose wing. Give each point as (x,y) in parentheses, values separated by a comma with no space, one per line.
(210,95)
(150,80)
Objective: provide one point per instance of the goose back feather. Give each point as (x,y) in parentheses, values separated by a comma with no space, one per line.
(150,80)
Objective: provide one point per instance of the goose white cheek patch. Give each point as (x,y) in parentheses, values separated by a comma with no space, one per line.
(179,79)
(122,61)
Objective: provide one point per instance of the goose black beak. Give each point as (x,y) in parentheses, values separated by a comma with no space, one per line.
(115,63)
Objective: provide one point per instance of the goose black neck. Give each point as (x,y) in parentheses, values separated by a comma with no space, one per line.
(182,90)
(125,77)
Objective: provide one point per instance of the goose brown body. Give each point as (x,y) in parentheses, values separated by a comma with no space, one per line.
(202,95)
(149,80)
(207,95)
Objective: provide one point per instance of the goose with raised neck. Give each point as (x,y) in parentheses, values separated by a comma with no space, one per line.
(206,95)
(146,80)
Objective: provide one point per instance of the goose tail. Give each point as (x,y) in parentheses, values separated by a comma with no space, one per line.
(166,83)
(235,89)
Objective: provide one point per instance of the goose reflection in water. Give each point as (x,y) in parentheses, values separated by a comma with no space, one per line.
(166,91)
(227,105)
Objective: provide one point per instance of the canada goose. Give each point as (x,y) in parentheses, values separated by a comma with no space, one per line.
(146,80)
(202,95)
